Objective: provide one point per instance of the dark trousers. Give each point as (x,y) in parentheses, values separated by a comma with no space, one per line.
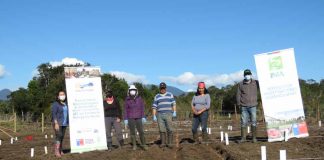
(112,122)
(200,119)
(136,123)
(59,135)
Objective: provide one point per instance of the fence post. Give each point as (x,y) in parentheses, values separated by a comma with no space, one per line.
(42,122)
(15,122)
(235,111)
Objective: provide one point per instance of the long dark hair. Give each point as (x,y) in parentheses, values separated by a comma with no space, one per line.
(57,96)
(205,91)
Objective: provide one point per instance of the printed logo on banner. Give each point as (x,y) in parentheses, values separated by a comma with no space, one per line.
(80,142)
(89,141)
(275,67)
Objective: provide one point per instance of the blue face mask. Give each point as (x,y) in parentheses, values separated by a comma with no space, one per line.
(247,77)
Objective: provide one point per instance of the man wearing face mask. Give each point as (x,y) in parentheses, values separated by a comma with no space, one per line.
(134,116)
(112,118)
(60,120)
(246,98)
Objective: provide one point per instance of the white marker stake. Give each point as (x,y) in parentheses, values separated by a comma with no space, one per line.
(263,153)
(137,133)
(209,130)
(45,149)
(248,129)
(200,128)
(16,138)
(112,134)
(126,135)
(11,140)
(282,154)
(286,135)
(220,127)
(320,123)
(45,136)
(229,116)
(32,152)
(226,139)
(222,136)
(0,142)
(51,136)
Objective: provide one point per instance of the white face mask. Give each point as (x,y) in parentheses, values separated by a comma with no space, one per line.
(247,77)
(62,98)
(132,92)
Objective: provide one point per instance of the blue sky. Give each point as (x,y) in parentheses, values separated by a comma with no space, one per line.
(179,42)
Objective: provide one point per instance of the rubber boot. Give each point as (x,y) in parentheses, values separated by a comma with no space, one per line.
(254,134)
(205,137)
(109,146)
(163,139)
(243,135)
(195,138)
(57,150)
(133,139)
(170,140)
(143,143)
(121,143)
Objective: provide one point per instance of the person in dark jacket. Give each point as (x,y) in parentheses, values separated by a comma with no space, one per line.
(246,99)
(112,118)
(134,115)
(60,120)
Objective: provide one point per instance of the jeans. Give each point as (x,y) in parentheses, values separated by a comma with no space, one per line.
(248,113)
(135,123)
(165,122)
(200,119)
(112,122)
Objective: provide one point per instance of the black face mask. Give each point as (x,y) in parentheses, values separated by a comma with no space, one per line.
(109,95)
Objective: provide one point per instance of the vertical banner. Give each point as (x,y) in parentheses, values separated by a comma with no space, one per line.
(281,97)
(86,114)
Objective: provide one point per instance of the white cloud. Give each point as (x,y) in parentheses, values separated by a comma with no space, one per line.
(67,61)
(191,79)
(2,71)
(130,77)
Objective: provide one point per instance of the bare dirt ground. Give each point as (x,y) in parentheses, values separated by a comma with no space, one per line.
(311,147)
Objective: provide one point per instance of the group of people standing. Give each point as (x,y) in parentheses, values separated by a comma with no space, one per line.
(163,110)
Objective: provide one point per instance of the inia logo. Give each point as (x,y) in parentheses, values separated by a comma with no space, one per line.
(275,67)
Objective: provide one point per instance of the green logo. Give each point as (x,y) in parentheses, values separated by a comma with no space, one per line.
(275,63)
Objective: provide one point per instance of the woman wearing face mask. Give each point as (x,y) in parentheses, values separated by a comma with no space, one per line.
(112,118)
(200,105)
(60,120)
(134,116)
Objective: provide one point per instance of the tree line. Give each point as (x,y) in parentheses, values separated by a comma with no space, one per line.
(41,92)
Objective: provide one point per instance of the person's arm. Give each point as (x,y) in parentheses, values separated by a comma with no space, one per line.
(142,107)
(125,109)
(238,95)
(174,104)
(154,107)
(193,105)
(54,116)
(119,112)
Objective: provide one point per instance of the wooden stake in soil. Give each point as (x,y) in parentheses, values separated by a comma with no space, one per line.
(248,129)
(222,136)
(42,122)
(32,152)
(283,155)
(263,153)
(45,136)
(11,140)
(45,149)
(15,122)
(286,135)
(226,139)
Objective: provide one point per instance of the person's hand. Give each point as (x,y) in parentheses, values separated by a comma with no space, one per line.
(174,114)
(118,120)
(144,120)
(126,122)
(154,118)
(56,127)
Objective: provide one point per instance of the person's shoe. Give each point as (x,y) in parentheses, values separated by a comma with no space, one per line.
(143,142)
(109,146)
(57,150)
(61,150)
(133,139)
(205,137)
(195,138)
(254,134)
(243,135)
(170,140)
(163,139)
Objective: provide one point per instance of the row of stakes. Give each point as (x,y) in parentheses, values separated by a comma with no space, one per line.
(230,128)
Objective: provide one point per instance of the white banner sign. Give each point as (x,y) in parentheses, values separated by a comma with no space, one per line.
(86,114)
(281,97)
